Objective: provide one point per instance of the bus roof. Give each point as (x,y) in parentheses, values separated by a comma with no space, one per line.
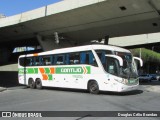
(80,48)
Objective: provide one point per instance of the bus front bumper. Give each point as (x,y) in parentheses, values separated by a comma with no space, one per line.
(126,88)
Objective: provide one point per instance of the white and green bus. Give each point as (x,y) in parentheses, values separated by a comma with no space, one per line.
(91,67)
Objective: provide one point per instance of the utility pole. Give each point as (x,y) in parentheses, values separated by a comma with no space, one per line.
(140,53)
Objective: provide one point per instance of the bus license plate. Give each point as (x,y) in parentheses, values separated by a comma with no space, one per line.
(132,81)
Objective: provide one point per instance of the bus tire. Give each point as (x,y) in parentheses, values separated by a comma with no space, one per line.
(38,84)
(93,87)
(31,83)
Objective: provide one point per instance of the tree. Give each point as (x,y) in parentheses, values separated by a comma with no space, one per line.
(146,55)
(151,59)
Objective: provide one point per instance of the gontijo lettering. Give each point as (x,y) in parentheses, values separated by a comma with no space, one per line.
(73,70)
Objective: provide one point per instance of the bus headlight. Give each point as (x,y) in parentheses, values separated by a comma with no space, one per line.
(124,81)
(119,80)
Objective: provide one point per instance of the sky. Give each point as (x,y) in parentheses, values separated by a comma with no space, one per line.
(13,7)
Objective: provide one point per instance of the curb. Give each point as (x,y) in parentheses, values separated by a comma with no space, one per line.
(12,88)
(2,89)
(155,89)
(17,87)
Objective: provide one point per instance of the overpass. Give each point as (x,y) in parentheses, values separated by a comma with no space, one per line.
(133,41)
(73,22)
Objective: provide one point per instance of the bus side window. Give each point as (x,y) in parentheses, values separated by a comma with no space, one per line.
(59,59)
(111,66)
(21,61)
(74,58)
(101,54)
(46,60)
(52,59)
(71,59)
(92,60)
(36,61)
(103,58)
(29,62)
(67,62)
(82,57)
(88,58)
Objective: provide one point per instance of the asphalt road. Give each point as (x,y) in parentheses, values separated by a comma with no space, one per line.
(49,99)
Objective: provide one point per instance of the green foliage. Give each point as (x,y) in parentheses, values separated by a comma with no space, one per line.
(146,55)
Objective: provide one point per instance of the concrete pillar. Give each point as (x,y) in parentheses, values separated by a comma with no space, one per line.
(4,55)
(51,43)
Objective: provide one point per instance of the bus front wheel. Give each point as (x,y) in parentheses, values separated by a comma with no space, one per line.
(93,87)
(38,84)
(31,83)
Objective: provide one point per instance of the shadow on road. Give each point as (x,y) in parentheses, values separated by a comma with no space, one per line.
(8,78)
(135,92)
(65,89)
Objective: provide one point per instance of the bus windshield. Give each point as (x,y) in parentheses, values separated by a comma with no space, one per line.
(127,71)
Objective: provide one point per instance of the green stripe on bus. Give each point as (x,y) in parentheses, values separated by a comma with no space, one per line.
(36,70)
(32,71)
(28,70)
(72,70)
(88,70)
(47,70)
(50,77)
(21,70)
(58,70)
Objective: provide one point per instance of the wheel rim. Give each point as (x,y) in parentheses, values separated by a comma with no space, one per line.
(31,84)
(38,83)
(94,88)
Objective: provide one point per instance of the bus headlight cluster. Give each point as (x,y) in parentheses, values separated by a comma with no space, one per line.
(124,81)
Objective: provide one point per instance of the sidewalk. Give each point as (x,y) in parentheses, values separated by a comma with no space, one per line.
(153,88)
(12,88)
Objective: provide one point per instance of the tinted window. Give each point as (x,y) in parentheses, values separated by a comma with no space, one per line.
(46,60)
(59,59)
(112,66)
(37,61)
(22,62)
(26,61)
(29,62)
(87,58)
(101,54)
(74,58)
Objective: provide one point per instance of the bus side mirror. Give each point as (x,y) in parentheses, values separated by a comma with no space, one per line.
(116,57)
(139,59)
